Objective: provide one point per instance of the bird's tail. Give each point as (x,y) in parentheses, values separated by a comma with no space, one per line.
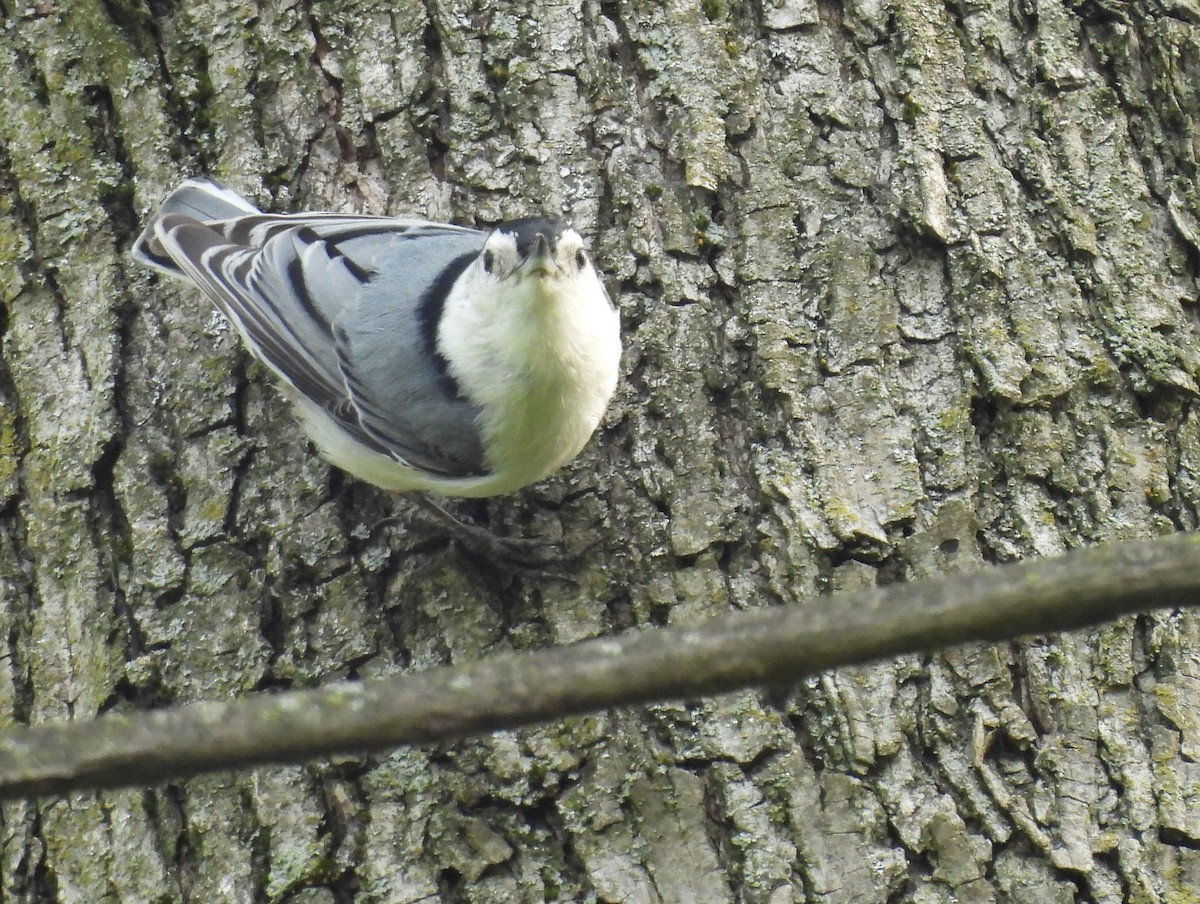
(200,198)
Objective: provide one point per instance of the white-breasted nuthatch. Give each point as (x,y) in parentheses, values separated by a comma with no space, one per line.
(419,356)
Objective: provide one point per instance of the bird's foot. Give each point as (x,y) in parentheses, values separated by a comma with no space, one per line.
(534,555)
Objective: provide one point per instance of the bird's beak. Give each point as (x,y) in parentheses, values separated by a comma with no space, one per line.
(540,261)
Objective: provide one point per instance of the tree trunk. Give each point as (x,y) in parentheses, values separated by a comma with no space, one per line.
(905,288)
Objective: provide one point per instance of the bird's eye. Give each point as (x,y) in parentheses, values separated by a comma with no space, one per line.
(489,260)
(580,258)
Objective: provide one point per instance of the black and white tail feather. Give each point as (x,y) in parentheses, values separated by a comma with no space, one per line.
(419,356)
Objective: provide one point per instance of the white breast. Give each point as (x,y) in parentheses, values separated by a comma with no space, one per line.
(541,360)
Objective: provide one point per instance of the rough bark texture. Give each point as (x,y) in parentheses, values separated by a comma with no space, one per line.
(906,287)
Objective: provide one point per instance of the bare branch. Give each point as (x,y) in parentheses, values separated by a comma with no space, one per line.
(779,645)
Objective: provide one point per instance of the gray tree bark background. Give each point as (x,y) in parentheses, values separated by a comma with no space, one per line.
(906,287)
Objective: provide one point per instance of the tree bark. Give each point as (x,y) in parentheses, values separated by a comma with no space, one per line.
(906,288)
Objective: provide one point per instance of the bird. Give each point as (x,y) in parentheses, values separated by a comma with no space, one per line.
(418,356)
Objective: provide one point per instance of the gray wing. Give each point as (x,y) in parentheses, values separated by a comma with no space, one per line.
(398,381)
(345,309)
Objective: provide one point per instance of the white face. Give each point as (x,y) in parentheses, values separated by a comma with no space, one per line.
(502,259)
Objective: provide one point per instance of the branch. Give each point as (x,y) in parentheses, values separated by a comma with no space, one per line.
(778,645)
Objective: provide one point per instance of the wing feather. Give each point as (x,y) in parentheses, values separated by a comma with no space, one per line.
(333,304)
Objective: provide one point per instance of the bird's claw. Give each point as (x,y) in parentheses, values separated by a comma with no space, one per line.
(529,554)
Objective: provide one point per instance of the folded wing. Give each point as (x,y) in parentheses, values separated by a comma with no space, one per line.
(344,308)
